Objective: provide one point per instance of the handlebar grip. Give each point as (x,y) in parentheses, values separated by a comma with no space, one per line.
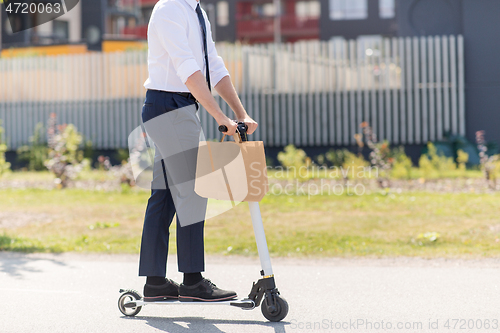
(223,128)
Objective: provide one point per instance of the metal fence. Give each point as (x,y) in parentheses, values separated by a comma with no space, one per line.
(411,90)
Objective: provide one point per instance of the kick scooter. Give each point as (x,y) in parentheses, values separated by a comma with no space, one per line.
(263,292)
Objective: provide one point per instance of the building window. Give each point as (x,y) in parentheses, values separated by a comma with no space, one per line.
(264,9)
(387,9)
(60,30)
(307,9)
(348,9)
(222,13)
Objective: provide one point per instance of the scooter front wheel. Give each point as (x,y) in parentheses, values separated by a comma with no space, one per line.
(279,313)
(126,303)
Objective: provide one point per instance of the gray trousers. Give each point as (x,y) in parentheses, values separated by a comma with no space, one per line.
(171,122)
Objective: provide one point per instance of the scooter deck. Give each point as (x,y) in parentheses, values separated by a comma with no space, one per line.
(243,303)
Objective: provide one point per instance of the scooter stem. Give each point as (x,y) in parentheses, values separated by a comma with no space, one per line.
(260,239)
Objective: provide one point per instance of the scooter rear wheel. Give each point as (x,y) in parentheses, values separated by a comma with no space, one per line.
(280,312)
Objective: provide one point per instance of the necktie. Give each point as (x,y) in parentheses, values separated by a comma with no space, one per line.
(204,30)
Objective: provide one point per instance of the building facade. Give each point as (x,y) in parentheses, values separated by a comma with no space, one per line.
(254,21)
(90,22)
(63,29)
(247,21)
(94,22)
(477,21)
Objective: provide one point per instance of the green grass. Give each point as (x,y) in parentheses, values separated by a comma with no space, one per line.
(29,176)
(368,225)
(278,174)
(97,175)
(336,173)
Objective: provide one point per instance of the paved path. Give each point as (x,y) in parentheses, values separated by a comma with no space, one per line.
(79,293)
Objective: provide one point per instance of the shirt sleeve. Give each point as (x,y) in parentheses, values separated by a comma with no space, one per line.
(217,68)
(170,25)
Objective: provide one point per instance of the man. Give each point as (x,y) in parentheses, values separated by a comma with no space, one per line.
(183,66)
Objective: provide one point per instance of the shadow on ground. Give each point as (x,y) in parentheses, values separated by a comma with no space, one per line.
(200,324)
(16,264)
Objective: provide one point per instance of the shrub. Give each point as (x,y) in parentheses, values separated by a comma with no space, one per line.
(293,157)
(427,169)
(402,166)
(88,150)
(434,166)
(337,157)
(354,166)
(462,159)
(103,163)
(36,152)
(496,172)
(4,165)
(321,159)
(122,155)
(332,157)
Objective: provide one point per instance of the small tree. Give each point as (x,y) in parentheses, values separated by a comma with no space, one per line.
(4,165)
(65,158)
(124,173)
(380,155)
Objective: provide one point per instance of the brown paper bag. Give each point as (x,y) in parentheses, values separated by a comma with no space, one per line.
(234,171)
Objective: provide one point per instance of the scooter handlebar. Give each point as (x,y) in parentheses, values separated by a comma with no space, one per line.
(223,128)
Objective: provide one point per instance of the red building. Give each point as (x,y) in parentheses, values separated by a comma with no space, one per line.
(247,21)
(253,21)
(144,8)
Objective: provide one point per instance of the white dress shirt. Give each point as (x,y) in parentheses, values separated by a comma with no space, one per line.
(175,42)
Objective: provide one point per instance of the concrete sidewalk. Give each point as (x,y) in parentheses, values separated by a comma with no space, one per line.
(79,293)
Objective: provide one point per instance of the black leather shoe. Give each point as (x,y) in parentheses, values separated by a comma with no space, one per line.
(204,291)
(169,290)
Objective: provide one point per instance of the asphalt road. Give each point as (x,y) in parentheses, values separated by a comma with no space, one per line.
(79,293)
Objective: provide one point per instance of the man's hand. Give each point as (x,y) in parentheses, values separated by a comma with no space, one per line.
(230,124)
(252,124)
(226,90)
